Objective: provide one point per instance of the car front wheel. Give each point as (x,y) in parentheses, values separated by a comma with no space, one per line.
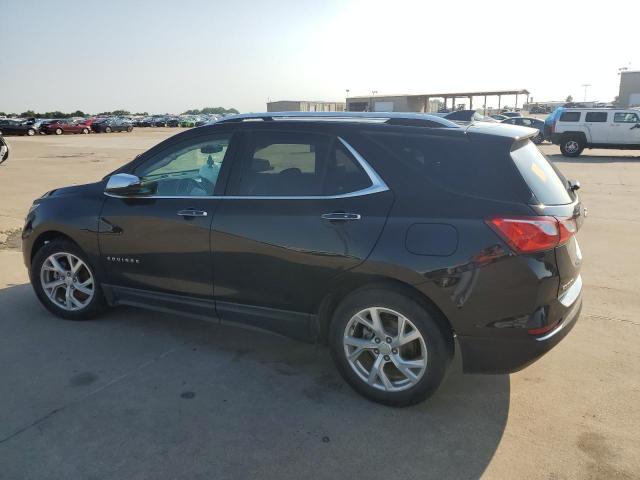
(107,130)
(65,282)
(31,132)
(571,146)
(389,347)
(58,131)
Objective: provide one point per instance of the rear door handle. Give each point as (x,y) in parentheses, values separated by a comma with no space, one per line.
(341,216)
(190,212)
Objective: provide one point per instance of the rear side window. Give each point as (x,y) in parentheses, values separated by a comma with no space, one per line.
(570,117)
(596,117)
(297,164)
(543,180)
(454,164)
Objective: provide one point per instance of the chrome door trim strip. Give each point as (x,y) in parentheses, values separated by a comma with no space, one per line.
(377,186)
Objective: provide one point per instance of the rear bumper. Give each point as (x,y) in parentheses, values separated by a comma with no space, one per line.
(507,355)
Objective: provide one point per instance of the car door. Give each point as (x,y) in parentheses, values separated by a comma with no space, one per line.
(598,125)
(625,128)
(301,208)
(160,242)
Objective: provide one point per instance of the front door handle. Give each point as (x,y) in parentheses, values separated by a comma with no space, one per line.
(341,216)
(190,212)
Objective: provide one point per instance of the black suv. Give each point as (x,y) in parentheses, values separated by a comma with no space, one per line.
(387,236)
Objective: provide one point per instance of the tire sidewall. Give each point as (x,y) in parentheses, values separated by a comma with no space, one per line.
(438,357)
(97,302)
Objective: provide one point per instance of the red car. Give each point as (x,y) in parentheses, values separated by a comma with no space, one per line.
(64,126)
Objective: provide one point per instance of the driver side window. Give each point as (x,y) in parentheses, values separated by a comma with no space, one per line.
(188,169)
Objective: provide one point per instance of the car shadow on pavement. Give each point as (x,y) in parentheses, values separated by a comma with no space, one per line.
(148,395)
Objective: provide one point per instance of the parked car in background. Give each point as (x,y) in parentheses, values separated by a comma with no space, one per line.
(143,122)
(498,117)
(159,122)
(187,122)
(575,129)
(109,125)
(510,114)
(4,149)
(173,122)
(16,127)
(412,237)
(58,127)
(538,109)
(531,123)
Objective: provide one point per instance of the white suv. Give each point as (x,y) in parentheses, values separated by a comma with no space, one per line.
(575,129)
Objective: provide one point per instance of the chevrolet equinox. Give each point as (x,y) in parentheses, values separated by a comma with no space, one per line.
(385,236)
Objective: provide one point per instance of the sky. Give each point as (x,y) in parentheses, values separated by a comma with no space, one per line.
(169,56)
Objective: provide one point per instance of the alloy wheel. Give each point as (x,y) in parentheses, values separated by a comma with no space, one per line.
(385,349)
(571,146)
(67,281)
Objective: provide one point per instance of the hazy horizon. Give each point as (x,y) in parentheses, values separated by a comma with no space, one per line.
(169,57)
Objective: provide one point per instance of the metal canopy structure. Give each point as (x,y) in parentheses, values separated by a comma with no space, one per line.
(423,99)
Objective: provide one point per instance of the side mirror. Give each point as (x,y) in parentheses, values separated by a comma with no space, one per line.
(124,185)
(574,185)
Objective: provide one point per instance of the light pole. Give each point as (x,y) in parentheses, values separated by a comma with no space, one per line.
(346,101)
(373,94)
(586,85)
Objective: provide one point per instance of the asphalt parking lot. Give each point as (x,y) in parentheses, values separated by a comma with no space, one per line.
(140,395)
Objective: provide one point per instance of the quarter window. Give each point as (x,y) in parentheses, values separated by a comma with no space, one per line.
(596,117)
(625,117)
(190,169)
(570,117)
(297,164)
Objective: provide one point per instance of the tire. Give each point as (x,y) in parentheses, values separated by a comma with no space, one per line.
(31,132)
(107,130)
(538,139)
(58,131)
(129,129)
(85,131)
(428,351)
(81,306)
(571,146)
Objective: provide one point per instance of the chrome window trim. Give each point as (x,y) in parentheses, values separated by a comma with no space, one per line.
(377,185)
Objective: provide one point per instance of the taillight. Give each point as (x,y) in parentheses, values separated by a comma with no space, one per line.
(534,234)
(568,227)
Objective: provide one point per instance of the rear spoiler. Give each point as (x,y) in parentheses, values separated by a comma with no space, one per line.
(516,132)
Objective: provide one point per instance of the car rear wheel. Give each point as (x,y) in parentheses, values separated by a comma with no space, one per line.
(31,132)
(65,282)
(85,131)
(107,130)
(538,139)
(58,131)
(388,347)
(571,146)
(129,129)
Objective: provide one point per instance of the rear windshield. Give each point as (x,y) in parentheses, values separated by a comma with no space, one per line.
(546,183)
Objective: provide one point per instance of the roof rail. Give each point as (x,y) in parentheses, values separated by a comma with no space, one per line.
(393,118)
